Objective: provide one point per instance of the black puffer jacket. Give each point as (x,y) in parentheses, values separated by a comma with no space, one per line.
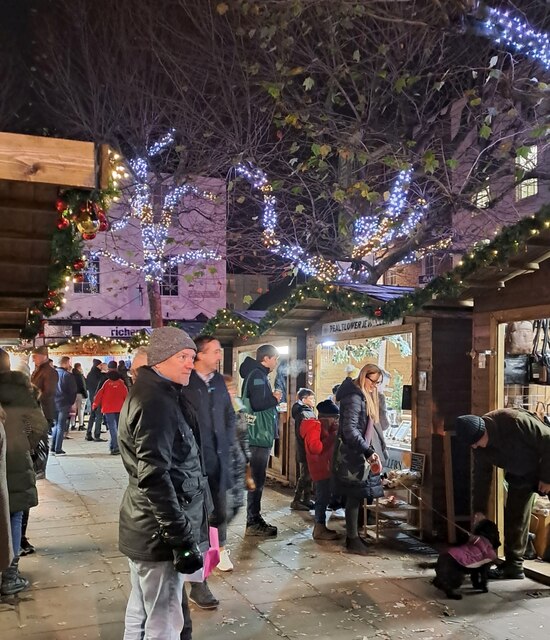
(349,473)
(167,488)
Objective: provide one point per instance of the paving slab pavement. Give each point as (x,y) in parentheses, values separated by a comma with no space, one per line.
(289,587)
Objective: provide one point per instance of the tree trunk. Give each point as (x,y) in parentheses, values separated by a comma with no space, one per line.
(155,304)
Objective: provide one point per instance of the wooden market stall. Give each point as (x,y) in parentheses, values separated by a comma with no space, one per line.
(517,292)
(32,170)
(427,352)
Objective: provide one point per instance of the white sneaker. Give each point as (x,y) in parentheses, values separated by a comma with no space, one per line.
(225,563)
(339,514)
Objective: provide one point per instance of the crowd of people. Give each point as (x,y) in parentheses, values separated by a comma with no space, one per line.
(193,447)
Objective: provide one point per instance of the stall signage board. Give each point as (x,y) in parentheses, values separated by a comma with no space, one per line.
(356,324)
(113,332)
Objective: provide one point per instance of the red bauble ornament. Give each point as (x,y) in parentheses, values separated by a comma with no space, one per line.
(52,293)
(78,265)
(79,277)
(63,223)
(49,304)
(103,225)
(378,312)
(60,205)
(88,236)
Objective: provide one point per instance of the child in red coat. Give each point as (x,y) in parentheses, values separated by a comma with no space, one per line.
(319,437)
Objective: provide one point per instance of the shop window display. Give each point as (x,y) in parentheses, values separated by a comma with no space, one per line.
(337,360)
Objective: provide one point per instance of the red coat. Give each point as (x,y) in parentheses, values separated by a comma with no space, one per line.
(319,438)
(111,396)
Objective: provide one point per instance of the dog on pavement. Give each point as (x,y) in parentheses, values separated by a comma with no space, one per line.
(473,558)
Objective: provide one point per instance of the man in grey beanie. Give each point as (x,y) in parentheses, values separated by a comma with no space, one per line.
(163,526)
(518,442)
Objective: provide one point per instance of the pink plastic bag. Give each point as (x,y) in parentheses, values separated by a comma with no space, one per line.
(211,558)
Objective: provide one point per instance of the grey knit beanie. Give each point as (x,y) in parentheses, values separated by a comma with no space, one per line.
(469,429)
(166,342)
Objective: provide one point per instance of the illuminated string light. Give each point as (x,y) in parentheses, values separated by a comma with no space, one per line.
(518,35)
(155,228)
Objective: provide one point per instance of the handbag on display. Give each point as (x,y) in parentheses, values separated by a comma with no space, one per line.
(519,337)
(536,360)
(516,369)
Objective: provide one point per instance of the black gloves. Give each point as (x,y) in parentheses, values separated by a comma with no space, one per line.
(188,560)
(187,555)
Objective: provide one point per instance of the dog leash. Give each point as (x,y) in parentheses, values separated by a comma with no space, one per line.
(423,502)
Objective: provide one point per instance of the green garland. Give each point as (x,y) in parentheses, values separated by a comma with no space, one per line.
(486,254)
(67,261)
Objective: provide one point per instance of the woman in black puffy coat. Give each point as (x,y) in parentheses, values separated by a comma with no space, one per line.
(352,477)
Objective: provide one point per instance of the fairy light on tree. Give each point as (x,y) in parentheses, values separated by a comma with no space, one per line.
(154,226)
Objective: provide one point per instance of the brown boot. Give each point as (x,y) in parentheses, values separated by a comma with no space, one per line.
(320,532)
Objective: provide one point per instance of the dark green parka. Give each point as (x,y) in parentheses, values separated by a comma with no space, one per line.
(519,443)
(25,426)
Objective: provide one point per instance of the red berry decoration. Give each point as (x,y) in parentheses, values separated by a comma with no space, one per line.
(49,304)
(79,277)
(85,208)
(52,293)
(378,312)
(88,236)
(63,223)
(60,205)
(78,265)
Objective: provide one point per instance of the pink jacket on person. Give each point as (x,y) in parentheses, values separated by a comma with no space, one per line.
(475,553)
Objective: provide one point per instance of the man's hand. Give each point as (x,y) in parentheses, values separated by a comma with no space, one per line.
(374,458)
(544,487)
(188,560)
(278,394)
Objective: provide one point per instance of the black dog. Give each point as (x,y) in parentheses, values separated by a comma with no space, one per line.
(473,558)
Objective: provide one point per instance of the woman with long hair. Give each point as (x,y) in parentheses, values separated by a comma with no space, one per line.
(354,453)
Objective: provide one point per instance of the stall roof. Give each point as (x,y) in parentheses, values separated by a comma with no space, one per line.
(310,310)
(32,169)
(534,251)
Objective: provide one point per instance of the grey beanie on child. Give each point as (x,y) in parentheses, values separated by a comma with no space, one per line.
(166,342)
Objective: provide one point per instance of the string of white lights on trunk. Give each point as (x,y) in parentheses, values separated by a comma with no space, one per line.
(154,227)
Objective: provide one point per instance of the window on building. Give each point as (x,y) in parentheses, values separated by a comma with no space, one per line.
(90,282)
(526,162)
(482,199)
(429,267)
(169,284)
(390,278)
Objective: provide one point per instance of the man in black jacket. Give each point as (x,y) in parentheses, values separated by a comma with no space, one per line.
(261,433)
(213,421)
(163,527)
(94,380)
(518,442)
